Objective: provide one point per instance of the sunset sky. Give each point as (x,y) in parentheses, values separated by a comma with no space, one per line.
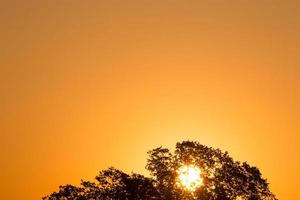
(88,84)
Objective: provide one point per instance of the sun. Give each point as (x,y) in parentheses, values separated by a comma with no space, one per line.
(189,177)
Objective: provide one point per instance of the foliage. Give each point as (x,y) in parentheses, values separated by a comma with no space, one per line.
(223,179)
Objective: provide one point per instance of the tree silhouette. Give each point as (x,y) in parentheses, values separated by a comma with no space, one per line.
(223,179)
(111,184)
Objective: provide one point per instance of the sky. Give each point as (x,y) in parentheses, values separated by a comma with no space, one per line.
(85,85)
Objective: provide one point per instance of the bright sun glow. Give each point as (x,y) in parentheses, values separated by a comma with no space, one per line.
(189,177)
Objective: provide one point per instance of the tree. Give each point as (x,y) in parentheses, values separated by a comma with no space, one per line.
(111,184)
(223,179)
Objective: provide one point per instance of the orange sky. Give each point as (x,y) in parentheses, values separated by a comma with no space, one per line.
(89,84)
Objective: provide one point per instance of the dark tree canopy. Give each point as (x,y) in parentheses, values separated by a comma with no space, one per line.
(223,179)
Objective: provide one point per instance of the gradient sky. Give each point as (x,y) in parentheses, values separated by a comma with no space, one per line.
(91,84)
